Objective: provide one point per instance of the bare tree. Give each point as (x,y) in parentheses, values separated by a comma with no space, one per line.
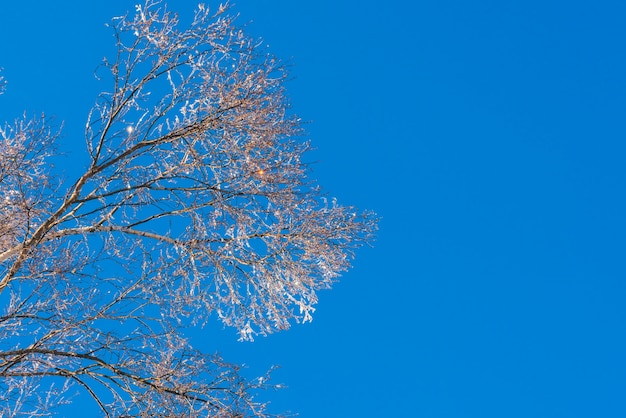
(194,203)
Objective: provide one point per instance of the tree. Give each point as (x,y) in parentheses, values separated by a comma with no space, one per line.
(194,203)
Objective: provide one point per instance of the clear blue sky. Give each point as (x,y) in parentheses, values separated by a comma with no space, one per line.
(490,136)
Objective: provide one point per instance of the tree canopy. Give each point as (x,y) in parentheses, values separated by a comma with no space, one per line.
(194,203)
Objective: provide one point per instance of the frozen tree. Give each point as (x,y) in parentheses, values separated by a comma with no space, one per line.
(194,203)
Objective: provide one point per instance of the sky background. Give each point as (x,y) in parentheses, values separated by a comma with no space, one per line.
(490,138)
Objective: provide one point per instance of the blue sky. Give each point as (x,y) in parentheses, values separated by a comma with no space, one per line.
(490,138)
